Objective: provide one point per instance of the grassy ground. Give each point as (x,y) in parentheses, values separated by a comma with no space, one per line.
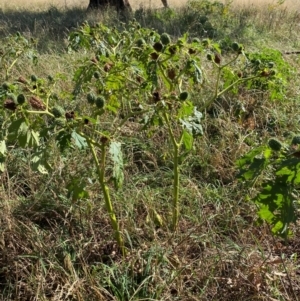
(67,4)
(52,248)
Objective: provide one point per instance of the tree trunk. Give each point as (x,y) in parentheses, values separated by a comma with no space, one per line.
(118,4)
(165,3)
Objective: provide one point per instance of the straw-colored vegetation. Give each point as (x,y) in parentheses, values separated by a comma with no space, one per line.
(119,178)
(67,4)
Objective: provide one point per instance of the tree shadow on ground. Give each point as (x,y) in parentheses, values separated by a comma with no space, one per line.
(51,27)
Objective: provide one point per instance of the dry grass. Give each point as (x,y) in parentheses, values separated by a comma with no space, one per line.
(44,4)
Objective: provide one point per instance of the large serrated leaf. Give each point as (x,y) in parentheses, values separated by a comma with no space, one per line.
(2,163)
(187,139)
(23,134)
(116,155)
(80,141)
(3,149)
(64,140)
(276,207)
(13,129)
(193,123)
(40,163)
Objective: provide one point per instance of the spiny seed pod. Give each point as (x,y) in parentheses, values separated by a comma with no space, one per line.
(156,96)
(296,140)
(100,102)
(165,39)
(158,46)
(192,51)
(196,40)
(22,80)
(154,56)
(209,56)
(203,19)
(272,72)
(50,78)
(217,59)
(21,99)
(171,73)
(91,98)
(274,144)
(205,42)
(140,42)
(12,96)
(37,103)
(184,96)
(10,104)
(173,49)
(61,122)
(271,64)
(58,111)
(5,86)
(33,78)
(235,46)
(97,74)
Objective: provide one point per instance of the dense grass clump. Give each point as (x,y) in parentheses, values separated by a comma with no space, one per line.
(120,160)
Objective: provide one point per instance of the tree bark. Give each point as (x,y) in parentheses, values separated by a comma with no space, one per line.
(118,4)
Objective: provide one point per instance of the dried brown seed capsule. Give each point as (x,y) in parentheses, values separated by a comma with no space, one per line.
(217,59)
(154,56)
(70,115)
(107,67)
(173,49)
(192,51)
(86,121)
(103,140)
(37,103)
(158,46)
(156,96)
(265,73)
(139,79)
(94,60)
(22,80)
(10,104)
(171,73)
(240,74)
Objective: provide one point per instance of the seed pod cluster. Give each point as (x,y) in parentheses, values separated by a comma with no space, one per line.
(10,104)
(37,103)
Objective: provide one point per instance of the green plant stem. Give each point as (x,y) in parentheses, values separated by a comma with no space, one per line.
(176,174)
(218,94)
(40,112)
(164,76)
(10,67)
(100,166)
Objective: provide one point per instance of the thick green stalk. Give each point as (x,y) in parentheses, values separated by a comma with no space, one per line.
(100,166)
(176,174)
